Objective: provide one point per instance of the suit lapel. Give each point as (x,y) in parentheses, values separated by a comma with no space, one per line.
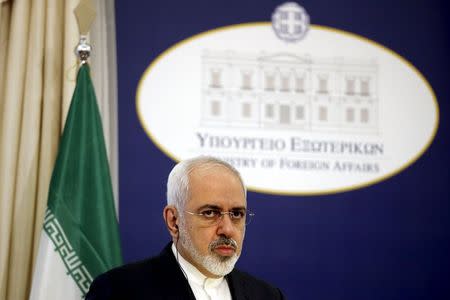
(237,287)
(180,288)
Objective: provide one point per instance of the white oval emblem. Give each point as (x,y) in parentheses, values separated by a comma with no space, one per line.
(331,113)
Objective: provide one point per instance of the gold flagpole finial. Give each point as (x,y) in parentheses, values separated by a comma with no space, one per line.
(85,14)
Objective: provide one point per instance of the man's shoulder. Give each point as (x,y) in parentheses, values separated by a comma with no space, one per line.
(137,268)
(243,276)
(134,279)
(251,285)
(152,267)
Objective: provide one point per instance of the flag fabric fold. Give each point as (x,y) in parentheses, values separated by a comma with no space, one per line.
(80,237)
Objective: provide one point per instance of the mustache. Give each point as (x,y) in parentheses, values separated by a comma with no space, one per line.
(223,241)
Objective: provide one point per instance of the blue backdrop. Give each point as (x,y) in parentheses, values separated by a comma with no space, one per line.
(390,240)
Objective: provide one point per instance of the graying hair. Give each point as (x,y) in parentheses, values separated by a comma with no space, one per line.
(178,180)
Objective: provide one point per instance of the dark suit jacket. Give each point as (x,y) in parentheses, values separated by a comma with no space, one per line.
(161,278)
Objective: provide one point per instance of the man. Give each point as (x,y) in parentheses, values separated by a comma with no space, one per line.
(206,215)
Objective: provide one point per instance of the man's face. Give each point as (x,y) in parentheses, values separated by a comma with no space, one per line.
(203,244)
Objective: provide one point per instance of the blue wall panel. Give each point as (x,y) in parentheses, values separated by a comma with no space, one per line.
(390,240)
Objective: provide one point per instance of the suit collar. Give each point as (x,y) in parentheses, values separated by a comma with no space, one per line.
(181,286)
(237,287)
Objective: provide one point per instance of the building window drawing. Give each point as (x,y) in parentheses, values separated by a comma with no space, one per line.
(285,114)
(350,115)
(323,85)
(350,86)
(246,110)
(323,113)
(300,84)
(365,87)
(364,115)
(289,91)
(215,108)
(285,83)
(246,80)
(300,112)
(269,112)
(215,79)
(270,82)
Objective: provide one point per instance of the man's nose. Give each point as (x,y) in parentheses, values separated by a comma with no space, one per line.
(226,226)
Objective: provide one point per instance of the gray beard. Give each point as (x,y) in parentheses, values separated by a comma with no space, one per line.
(213,263)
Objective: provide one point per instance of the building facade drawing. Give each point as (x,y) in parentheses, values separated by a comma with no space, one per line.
(289,91)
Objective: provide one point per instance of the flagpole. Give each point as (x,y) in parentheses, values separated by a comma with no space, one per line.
(85,14)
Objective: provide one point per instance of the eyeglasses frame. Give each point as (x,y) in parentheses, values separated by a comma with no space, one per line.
(223,213)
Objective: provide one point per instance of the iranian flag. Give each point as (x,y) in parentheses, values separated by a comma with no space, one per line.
(80,237)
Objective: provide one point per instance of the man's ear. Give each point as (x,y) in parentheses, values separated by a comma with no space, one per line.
(170,215)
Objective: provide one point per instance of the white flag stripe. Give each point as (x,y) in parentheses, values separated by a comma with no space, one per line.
(50,278)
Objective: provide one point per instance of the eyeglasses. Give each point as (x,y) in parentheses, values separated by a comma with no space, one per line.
(212,217)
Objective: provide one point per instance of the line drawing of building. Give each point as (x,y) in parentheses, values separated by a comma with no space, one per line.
(289,91)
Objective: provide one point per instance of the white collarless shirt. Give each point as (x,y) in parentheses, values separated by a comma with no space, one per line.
(204,288)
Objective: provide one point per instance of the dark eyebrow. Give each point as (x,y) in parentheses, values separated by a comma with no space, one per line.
(215,207)
(239,208)
(209,206)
